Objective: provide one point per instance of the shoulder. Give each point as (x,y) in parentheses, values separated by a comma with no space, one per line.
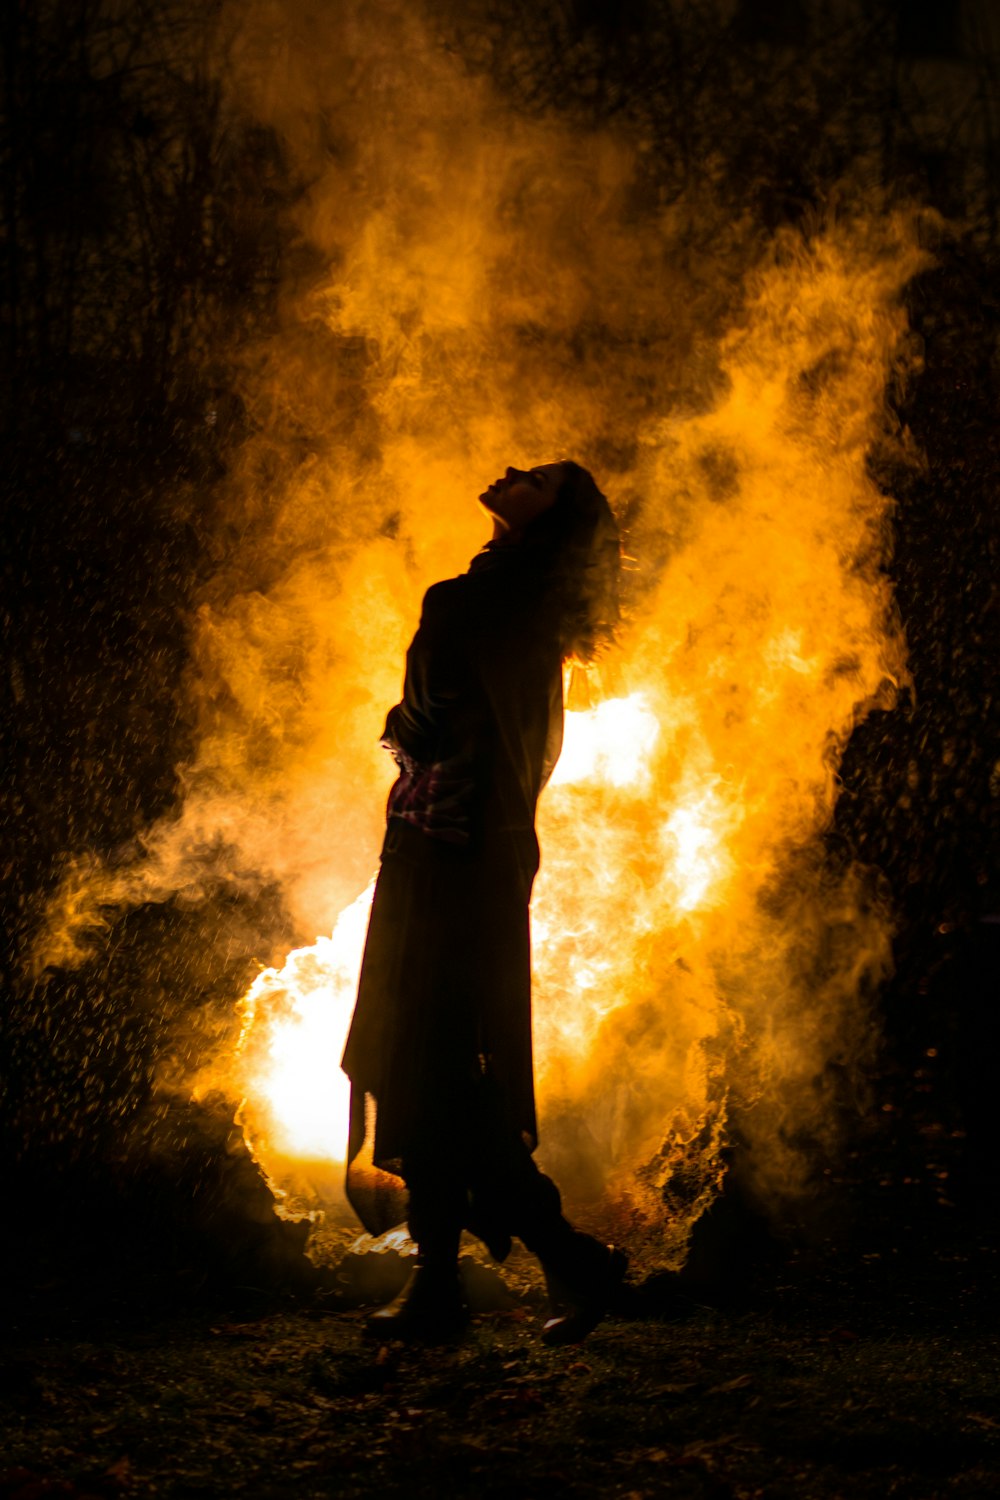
(444,601)
(444,613)
(449,592)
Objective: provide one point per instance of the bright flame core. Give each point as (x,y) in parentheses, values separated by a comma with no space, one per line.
(295,1020)
(691,842)
(609,743)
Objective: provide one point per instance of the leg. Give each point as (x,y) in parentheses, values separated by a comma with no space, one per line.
(430,1308)
(580,1272)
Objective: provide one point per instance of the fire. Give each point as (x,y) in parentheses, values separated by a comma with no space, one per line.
(610,742)
(695,952)
(295,1019)
(692,953)
(503,285)
(692,844)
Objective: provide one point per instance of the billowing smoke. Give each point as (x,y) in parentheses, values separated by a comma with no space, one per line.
(473,285)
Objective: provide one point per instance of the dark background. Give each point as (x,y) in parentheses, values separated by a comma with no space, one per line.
(146,232)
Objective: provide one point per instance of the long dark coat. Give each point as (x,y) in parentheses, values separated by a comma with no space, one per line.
(445,987)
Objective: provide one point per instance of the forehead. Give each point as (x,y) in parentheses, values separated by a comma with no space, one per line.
(554,473)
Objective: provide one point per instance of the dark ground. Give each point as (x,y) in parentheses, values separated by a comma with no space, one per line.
(864,1365)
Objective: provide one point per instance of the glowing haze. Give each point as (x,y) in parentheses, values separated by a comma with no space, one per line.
(476,288)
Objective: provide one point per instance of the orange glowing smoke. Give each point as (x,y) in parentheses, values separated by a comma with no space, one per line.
(471,283)
(296,1018)
(692,952)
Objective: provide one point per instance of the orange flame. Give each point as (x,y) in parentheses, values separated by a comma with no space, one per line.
(503,286)
(680,965)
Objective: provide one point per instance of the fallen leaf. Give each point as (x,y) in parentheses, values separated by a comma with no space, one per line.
(675,1388)
(739,1383)
(512,1405)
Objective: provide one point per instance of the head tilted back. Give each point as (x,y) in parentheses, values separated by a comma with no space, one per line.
(579,536)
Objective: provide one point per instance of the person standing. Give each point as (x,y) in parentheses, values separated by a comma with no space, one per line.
(439,1051)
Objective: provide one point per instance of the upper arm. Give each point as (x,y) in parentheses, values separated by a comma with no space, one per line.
(439,649)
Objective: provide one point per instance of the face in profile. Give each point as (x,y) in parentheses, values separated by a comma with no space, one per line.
(520,497)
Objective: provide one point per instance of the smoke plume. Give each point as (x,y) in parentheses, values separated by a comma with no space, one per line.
(473,285)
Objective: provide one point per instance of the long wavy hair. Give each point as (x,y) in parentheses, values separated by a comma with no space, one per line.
(578,543)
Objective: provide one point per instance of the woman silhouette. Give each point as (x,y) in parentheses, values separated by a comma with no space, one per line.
(439,1052)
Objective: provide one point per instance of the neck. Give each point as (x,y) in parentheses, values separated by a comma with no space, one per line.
(504,536)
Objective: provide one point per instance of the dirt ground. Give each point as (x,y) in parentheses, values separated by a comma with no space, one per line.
(865,1369)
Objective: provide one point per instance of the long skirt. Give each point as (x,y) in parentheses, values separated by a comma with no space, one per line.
(444,999)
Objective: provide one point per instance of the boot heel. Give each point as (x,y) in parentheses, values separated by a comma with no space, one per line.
(584,1308)
(429,1310)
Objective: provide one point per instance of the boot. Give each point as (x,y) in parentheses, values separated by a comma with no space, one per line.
(429,1310)
(581,1280)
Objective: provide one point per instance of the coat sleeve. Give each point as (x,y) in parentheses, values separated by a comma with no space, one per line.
(418,729)
(521,673)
